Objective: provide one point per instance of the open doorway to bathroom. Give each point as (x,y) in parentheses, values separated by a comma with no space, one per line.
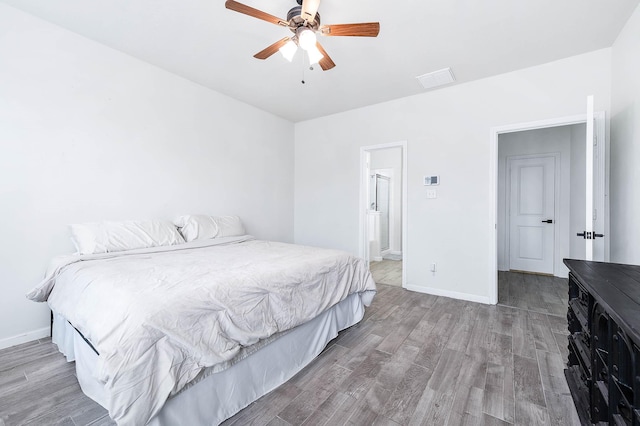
(384,212)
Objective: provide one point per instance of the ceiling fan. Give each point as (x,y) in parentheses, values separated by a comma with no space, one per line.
(304,21)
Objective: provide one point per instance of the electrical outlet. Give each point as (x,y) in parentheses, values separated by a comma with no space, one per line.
(432,193)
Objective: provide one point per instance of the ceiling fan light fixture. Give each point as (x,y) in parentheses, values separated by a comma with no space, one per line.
(314,55)
(306,38)
(289,50)
(304,21)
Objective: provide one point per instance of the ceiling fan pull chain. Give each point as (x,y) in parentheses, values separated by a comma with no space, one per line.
(302,56)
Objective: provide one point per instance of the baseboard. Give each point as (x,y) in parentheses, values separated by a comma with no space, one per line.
(25,337)
(448,293)
(376,259)
(392,255)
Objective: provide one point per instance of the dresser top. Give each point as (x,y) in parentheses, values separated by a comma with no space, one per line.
(616,287)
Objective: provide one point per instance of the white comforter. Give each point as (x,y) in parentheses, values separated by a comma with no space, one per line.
(159,316)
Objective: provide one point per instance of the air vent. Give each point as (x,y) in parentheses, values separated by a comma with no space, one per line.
(436,78)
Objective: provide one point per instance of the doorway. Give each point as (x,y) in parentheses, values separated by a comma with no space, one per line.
(383,211)
(551,151)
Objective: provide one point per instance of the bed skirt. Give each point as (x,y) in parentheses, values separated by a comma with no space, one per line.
(220,395)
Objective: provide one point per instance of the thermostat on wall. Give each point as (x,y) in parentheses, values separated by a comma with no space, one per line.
(431,180)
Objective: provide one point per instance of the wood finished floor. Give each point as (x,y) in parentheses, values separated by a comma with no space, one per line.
(387,272)
(538,293)
(39,387)
(415,359)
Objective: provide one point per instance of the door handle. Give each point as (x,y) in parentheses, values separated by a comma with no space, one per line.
(548,221)
(589,235)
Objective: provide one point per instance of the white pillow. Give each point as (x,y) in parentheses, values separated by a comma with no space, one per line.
(197,227)
(106,237)
(202,227)
(229,226)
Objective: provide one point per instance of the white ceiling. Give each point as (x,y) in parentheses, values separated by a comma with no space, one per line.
(208,44)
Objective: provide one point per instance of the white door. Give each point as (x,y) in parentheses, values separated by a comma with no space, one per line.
(592,229)
(589,234)
(531,214)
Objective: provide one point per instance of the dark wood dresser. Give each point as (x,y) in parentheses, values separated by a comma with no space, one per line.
(603,370)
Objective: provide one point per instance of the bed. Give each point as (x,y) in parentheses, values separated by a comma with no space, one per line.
(192,333)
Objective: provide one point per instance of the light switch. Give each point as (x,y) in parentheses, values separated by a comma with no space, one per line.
(432,193)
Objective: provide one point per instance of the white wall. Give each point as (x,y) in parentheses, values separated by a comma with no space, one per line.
(448,134)
(391,159)
(625,144)
(88,134)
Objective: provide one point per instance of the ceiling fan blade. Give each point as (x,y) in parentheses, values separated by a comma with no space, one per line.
(326,63)
(309,9)
(248,10)
(366,29)
(264,54)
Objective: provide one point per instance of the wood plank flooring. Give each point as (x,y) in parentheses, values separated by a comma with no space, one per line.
(387,271)
(415,359)
(538,293)
(39,387)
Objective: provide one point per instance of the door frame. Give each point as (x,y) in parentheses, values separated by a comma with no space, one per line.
(601,184)
(364,203)
(556,201)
